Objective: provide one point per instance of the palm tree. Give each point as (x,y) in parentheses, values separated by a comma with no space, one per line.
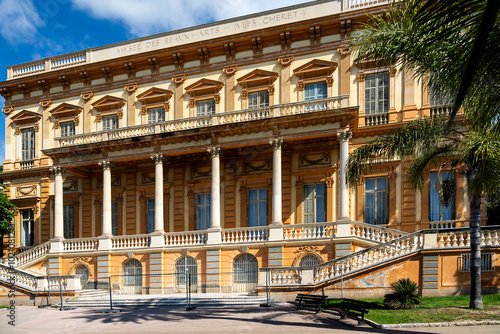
(458,42)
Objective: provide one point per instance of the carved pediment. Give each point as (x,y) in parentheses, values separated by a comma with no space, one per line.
(315,68)
(108,103)
(258,78)
(25,117)
(155,94)
(65,110)
(204,87)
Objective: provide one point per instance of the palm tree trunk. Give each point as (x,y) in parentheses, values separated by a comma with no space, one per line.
(476,300)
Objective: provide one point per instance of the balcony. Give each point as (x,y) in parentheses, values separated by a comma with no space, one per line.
(240,116)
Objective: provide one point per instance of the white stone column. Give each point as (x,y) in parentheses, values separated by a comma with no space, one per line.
(106,198)
(343,137)
(58,203)
(215,152)
(277,144)
(158,159)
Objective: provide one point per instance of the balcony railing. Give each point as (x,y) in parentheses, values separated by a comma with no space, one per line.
(444,110)
(376,119)
(280,110)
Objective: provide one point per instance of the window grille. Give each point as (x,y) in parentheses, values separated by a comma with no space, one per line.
(132,269)
(486,262)
(245,269)
(186,265)
(84,275)
(309,261)
(377,93)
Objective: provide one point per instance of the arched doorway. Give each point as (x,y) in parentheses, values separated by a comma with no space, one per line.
(83,271)
(246,272)
(185,266)
(132,279)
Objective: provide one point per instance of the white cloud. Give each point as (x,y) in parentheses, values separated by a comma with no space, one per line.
(148,17)
(19,21)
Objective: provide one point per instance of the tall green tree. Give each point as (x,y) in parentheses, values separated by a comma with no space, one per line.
(457,43)
(6,211)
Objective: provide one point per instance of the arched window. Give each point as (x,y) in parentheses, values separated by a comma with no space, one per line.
(309,260)
(132,271)
(84,275)
(186,265)
(245,267)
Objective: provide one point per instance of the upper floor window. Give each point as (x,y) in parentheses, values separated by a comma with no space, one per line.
(205,107)
(151,215)
(257,207)
(110,122)
(377,93)
(258,99)
(69,221)
(67,129)
(156,115)
(314,203)
(375,211)
(28,144)
(437,209)
(315,91)
(28,228)
(203,211)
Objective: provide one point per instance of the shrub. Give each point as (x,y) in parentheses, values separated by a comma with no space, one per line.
(405,295)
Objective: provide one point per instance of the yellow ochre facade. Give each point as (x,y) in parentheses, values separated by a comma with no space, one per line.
(224,144)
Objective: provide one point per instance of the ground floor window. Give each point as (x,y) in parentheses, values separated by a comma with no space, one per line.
(245,268)
(132,271)
(486,262)
(309,260)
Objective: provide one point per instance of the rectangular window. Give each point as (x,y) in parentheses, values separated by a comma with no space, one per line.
(151,215)
(258,99)
(69,221)
(486,262)
(257,207)
(437,210)
(376,203)
(28,228)
(315,91)
(156,115)
(314,203)
(28,144)
(67,129)
(205,107)
(203,211)
(110,122)
(377,93)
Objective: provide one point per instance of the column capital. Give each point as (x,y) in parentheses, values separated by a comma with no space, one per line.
(57,170)
(344,135)
(215,151)
(276,143)
(158,158)
(105,164)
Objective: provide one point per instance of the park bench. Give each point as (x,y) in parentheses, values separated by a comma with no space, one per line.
(308,302)
(351,308)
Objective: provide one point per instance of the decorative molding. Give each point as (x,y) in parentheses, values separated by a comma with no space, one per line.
(26,191)
(257,165)
(81,259)
(87,95)
(392,72)
(71,185)
(215,151)
(344,50)
(131,87)
(315,69)
(45,103)
(285,60)
(312,159)
(277,143)
(146,178)
(201,171)
(105,164)
(306,249)
(157,158)
(361,77)
(230,70)
(178,79)
(56,170)
(329,81)
(344,135)
(7,110)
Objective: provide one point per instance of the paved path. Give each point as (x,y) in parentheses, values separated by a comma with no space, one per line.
(227,319)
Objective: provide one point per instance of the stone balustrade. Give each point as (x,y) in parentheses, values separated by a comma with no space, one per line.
(130,241)
(288,109)
(245,234)
(86,244)
(191,238)
(309,231)
(374,232)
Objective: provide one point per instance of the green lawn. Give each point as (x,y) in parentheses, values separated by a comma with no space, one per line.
(434,309)
(3,306)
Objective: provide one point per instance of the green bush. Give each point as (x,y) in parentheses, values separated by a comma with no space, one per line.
(405,295)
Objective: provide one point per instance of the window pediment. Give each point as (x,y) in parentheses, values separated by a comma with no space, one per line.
(257,78)
(204,87)
(26,118)
(315,68)
(65,110)
(154,95)
(108,102)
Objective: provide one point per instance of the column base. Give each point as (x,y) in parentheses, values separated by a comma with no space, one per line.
(214,236)
(157,239)
(343,227)
(276,232)
(105,243)
(56,245)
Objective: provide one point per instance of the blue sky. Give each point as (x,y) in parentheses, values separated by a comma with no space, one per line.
(35,29)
